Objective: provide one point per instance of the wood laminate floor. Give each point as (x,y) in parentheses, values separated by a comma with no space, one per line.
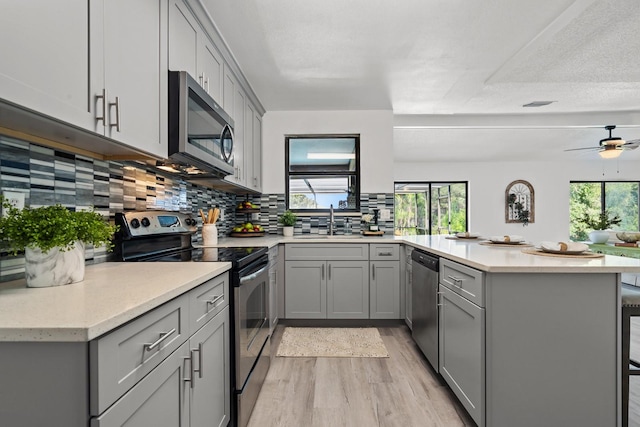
(401,390)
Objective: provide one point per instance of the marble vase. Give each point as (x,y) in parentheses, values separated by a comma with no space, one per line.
(55,267)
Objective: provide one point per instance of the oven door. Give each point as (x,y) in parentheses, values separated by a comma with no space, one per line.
(251,317)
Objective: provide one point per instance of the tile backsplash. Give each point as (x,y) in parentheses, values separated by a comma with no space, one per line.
(48,176)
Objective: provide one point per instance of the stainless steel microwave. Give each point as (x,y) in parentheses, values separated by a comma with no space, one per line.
(200,131)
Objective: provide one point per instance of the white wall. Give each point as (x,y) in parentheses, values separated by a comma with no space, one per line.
(376,143)
(550,181)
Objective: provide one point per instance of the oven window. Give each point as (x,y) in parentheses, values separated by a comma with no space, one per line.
(256,313)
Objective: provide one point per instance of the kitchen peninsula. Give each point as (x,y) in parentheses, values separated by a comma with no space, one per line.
(550,340)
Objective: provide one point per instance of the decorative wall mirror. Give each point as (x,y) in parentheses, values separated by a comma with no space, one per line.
(519,203)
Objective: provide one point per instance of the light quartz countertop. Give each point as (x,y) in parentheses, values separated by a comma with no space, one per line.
(495,258)
(509,259)
(110,295)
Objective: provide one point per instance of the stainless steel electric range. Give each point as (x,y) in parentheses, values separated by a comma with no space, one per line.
(158,236)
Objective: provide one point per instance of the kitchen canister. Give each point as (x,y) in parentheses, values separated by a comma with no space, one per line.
(209,234)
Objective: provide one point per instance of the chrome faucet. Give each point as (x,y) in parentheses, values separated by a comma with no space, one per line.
(331,220)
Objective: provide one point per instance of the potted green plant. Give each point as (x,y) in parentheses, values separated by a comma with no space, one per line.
(288,220)
(599,223)
(53,239)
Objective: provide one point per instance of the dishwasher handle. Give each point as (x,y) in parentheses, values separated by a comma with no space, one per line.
(426,259)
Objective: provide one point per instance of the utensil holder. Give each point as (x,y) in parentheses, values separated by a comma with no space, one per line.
(209,234)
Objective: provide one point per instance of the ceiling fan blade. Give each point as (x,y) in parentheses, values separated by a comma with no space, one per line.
(584,148)
(631,145)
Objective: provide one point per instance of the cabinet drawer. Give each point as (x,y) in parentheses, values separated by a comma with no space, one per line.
(121,358)
(382,252)
(463,280)
(207,300)
(326,252)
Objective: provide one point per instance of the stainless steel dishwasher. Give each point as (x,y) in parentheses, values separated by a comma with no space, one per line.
(424,306)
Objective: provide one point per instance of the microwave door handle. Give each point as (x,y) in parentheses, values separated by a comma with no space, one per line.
(253,275)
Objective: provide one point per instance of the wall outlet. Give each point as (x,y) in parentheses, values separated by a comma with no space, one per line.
(385,214)
(15,198)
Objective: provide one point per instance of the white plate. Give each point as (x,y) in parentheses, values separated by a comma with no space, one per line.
(552,251)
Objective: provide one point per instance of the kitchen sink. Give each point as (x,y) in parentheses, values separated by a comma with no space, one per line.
(327,237)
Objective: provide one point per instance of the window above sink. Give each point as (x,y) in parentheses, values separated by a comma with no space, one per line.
(323,170)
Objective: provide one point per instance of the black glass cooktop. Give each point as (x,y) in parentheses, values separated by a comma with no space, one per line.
(238,256)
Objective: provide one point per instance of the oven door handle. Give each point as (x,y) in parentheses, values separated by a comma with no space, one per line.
(253,275)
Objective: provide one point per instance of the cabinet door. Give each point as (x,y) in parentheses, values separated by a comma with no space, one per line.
(238,106)
(306,290)
(183,39)
(211,390)
(348,290)
(210,67)
(408,297)
(45,58)
(256,155)
(158,400)
(135,72)
(385,290)
(249,129)
(461,351)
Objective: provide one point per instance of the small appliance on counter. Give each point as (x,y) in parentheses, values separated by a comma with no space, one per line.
(159,236)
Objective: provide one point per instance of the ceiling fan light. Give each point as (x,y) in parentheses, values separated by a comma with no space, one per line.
(612,141)
(610,153)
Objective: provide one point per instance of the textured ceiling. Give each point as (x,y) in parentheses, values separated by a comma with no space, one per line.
(454,58)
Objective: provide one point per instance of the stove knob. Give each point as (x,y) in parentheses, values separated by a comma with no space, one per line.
(135,223)
(189,222)
(146,222)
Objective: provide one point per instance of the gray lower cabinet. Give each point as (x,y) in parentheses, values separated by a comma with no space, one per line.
(306,294)
(157,400)
(169,367)
(210,400)
(385,290)
(461,351)
(347,290)
(327,289)
(461,328)
(274,255)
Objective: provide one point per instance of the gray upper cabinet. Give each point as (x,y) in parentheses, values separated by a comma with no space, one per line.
(45,58)
(191,50)
(184,31)
(128,72)
(256,155)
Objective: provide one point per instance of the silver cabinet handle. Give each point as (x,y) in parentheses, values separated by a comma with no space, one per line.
(373,272)
(102,97)
(455,280)
(192,370)
(212,302)
(199,370)
(329,274)
(190,359)
(117,105)
(322,271)
(385,254)
(201,79)
(163,336)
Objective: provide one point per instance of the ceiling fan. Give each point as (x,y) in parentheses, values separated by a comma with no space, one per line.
(611,147)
